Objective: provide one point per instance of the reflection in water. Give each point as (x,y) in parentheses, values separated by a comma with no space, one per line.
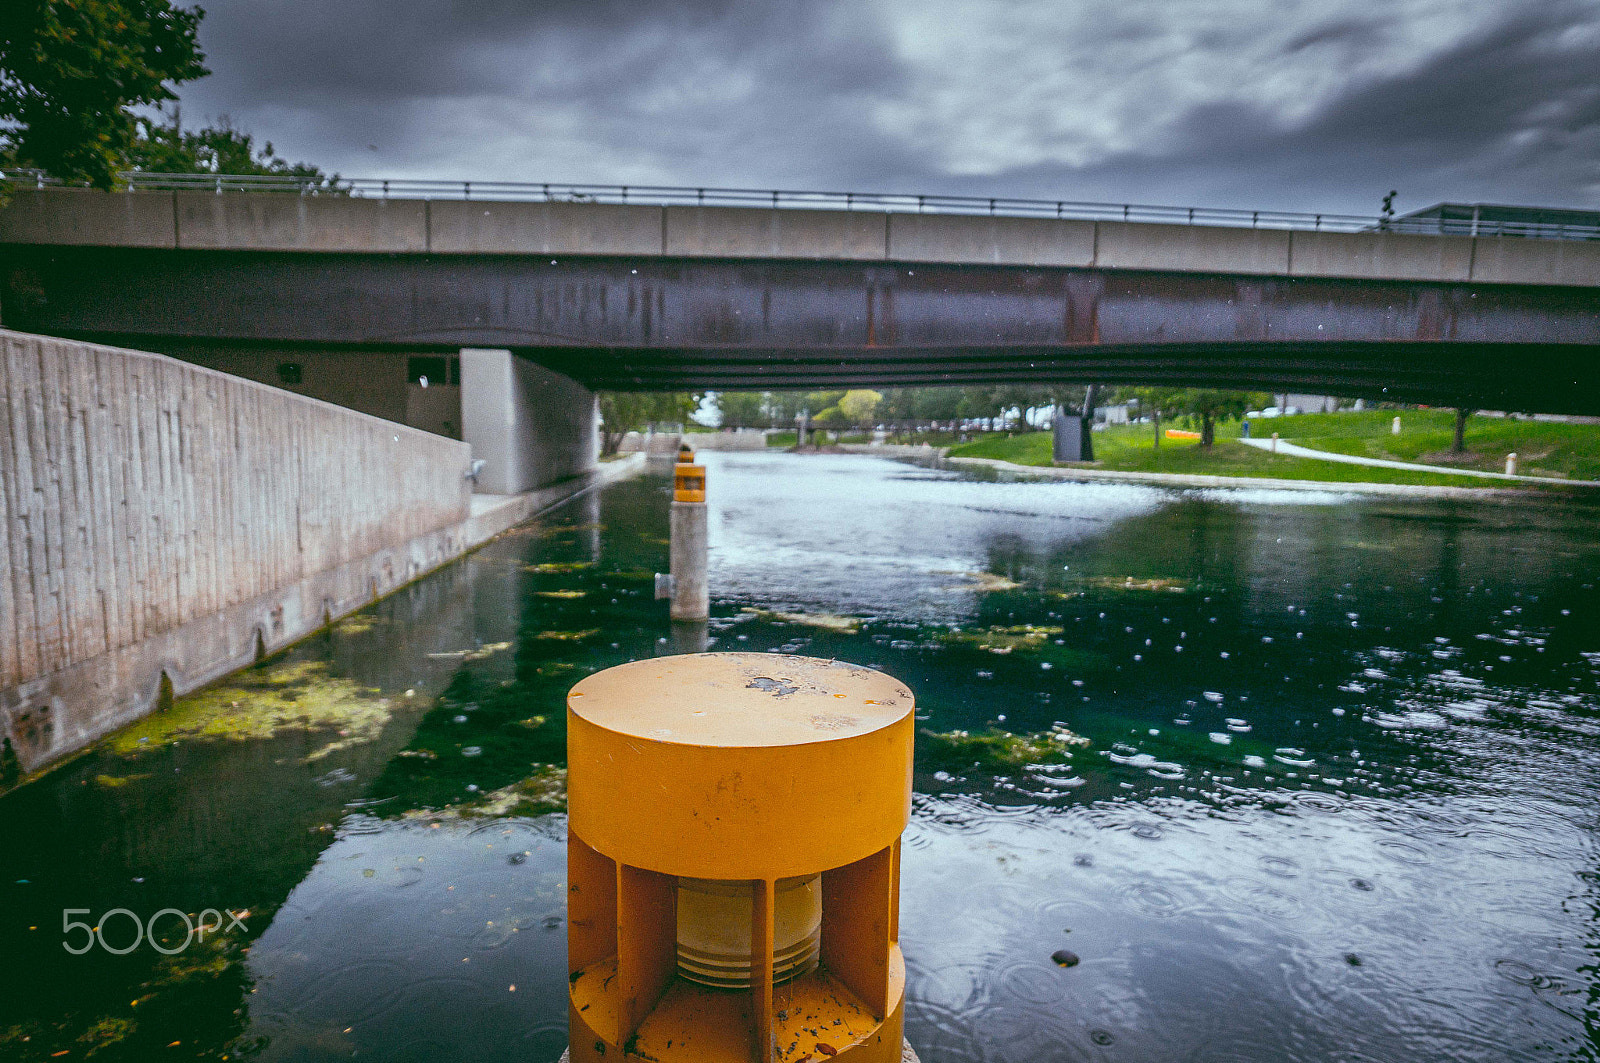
(1295,776)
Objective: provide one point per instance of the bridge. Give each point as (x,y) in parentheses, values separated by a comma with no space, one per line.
(168,521)
(619,288)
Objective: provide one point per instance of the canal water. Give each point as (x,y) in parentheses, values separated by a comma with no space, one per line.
(1278,776)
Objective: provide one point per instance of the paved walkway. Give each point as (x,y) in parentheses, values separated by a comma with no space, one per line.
(1260,483)
(1285,447)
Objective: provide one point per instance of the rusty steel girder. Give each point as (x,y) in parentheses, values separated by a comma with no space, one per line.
(654,323)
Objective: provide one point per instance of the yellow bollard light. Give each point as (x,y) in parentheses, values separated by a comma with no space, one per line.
(733,857)
(688,483)
(685,454)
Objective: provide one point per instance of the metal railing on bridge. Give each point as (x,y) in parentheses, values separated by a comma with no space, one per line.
(802,199)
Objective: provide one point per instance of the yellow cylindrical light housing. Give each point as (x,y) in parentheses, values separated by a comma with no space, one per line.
(688,483)
(733,859)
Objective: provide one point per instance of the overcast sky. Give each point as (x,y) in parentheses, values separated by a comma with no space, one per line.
(1288,104)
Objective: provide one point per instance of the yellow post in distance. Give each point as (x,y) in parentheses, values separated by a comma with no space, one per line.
(688,483)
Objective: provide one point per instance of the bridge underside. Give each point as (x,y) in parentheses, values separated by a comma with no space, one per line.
(653,323)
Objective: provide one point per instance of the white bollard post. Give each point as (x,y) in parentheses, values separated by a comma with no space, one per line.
(1511,463)
(1394,429)
(691,595)
(1274,442)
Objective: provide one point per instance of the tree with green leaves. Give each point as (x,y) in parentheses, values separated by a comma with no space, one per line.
(622,412)
(1156,403)
(164,146)
(1212,406)
(742,409)
(859,405)
(72,73)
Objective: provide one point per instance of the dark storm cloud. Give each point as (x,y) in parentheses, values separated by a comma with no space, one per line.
(1350,33)
(1510,114)
(1301,104)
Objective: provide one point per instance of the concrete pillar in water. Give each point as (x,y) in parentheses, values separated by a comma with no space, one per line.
(691,595)
(690,636)
(530,426)
(1394,428)
(1511,463)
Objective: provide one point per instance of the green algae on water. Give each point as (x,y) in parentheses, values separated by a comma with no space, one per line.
(356,624)
(828,621)
(262,703)
(562,594)
(981,581)
(105,1033)
(1003,639)
(112,782)
(1130,583)
(994,749)
(568,636)
(542,792)
(554,567)
(482,653)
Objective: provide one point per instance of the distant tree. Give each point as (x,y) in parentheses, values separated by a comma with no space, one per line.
(1156,403)
(858,407)
(784,406)
(824,407)
(72,72)
(935,404)
(979,402)
(1212,406)
(742,409)
(622,412)
(163,146)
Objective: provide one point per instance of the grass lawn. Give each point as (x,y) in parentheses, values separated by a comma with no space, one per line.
(1131,448)
(1543,448)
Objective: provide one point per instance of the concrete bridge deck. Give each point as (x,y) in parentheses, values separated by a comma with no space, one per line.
(196,220)
(649,297)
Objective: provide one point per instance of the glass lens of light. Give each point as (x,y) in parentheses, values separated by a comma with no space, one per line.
(714,929)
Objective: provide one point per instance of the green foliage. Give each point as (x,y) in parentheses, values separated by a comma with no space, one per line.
(859,406)
(72,72)
(1212,406)
(622,412)
(906,409)
(165,147)
(742,409)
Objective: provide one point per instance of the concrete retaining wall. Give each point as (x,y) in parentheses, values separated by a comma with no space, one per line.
(278,222)
(161,518)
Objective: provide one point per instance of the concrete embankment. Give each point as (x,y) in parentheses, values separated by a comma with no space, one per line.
(167,524)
